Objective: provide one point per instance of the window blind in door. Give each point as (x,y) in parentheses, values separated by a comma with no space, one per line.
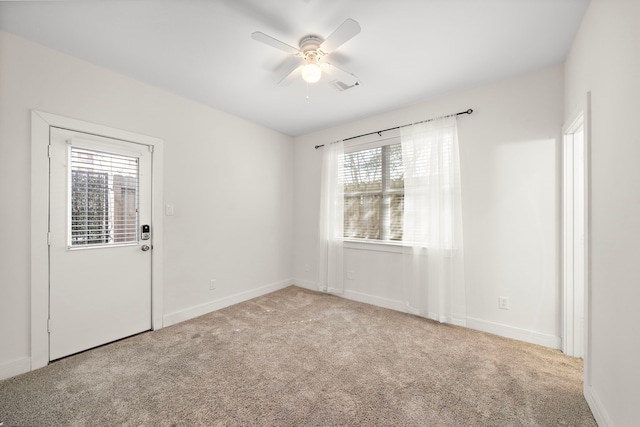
(103,202)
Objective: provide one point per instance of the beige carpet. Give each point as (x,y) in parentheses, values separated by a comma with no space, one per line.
(301,358)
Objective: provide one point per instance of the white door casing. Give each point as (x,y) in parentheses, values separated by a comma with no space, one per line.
(99,278)
(42,124)
(575,259)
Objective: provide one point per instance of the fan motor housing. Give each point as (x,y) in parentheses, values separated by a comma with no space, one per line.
(310,43)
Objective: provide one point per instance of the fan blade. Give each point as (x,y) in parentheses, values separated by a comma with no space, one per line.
(344,76)
(288,64)
(338,58)
(293,75)
(345,32)
(262,37)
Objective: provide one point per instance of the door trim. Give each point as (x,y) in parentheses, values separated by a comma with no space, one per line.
(582,114)
(40,125)
(573,304)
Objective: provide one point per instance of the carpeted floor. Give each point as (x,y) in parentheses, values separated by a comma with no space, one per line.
(301,358)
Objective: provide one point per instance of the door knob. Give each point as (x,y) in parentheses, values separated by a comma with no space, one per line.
(145,248)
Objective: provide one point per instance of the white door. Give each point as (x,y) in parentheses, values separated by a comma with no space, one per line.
(100,268)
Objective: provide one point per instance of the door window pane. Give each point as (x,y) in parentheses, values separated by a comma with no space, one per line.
(103,198)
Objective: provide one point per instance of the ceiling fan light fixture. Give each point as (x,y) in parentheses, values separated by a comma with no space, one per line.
(312,51)
(311,72)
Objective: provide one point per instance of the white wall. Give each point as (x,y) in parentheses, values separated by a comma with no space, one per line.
(229,180)
(605,60)
(509,154)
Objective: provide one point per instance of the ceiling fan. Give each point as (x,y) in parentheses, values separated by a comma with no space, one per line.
(312,54)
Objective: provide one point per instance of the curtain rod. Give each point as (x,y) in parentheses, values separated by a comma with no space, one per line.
(379,132)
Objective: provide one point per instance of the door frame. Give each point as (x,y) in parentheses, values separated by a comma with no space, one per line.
(41,123)
(580,117)
(573,288)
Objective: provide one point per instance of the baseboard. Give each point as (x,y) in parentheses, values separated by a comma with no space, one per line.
(394,305)
(597,409)
(375,300)
(307,284)
(199,310)
(356,296)
(15,367)
(477,324)
(506,331)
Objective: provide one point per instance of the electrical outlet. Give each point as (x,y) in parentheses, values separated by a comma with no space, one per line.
(351,275)
(212,284)
(306,267)
(503,303)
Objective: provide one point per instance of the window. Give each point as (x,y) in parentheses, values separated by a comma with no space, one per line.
(374,193)
(103,198)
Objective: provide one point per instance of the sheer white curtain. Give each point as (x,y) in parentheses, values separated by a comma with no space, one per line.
(433,265)
(331,233)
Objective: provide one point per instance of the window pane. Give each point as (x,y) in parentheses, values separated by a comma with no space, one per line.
(363,170)
(362,217)
(103,198)
(396,170)
(373,193)
(125,212)
(396,206)
(89,204)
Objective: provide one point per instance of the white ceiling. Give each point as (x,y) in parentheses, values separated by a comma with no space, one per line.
(408,50)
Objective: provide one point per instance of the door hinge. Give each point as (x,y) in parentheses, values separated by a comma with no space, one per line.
(150,148)
(49,151)
(49,238)
(49,325)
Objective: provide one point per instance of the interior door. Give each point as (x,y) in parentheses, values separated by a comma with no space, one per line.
(100,249)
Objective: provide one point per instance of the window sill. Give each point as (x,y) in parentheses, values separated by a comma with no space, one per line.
(386,246)
(375,245)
